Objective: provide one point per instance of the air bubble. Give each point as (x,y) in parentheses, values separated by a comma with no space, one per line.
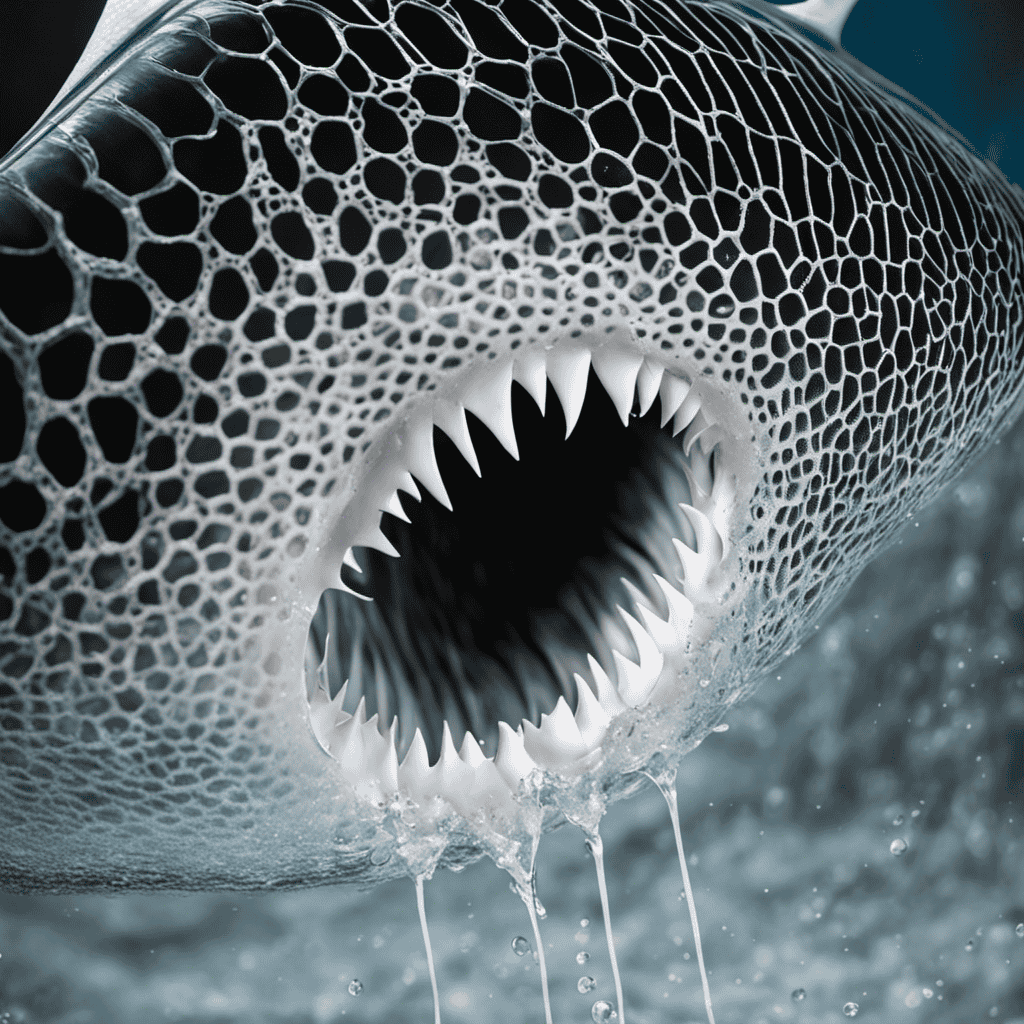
(851,1009)
(585,984)
(520,946)
(798,995)
(583,956)
(602,1012)
(355,986)
(898,820)
(1019,931)
(969,946)
(898,847)
(584,922)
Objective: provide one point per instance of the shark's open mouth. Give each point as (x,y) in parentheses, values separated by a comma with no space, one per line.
(552,557)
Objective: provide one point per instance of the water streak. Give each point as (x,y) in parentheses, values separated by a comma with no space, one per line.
(426,942)
(596,847)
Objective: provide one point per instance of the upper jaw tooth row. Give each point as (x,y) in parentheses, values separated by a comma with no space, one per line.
(564,742)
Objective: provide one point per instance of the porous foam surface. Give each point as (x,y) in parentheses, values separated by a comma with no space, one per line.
(272,228)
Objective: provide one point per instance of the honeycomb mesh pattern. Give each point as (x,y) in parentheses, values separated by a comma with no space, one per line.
(253,246)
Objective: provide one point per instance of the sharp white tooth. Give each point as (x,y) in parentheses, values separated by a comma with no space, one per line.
(321,714)
(340,584)
(488,787)
(557,741)
(407,484)
(709,543)
(415,767)
(420,457)
(383,761)
(347,747)
(723,496)
(567,371)
(680,608)
(360,715)
(637,681)
(673,390)
(374,538)
(452,420)
(616,369)
(490,399)
(470,751)
(647,383)
(511,759)
(687,411)
(640,599)
(710,437)
(531,372)
(394,506)
(450,767)
(698,475)
(662,632)
(698,425)
(591,719)
(606,692)
(349,559)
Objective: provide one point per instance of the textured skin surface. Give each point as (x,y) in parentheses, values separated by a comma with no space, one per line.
(267,233)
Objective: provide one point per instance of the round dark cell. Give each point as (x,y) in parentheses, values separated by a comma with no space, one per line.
(353,230)
(378,51)
(510,160)
(437,250)
(615,128)
(506,78)
(112,137)
(114,422)
(677,228)
(95,225)
(238,31)
(382,128)
(490,32)
(609,171)
(292,235)
(119,307)
(61,452)
(625,206)
(174,212)
(228,294)
(436,94)
(37,565)
(551,80)
(251,384)
(339,275)
(160,453)
(248,87)
(216,164)
(116,361)
(305,284)
(162,391)
(205,410)
(650,162)
(260,324)
(21,506)
(175,267)
(107,571)
(208,361)
(560,133)
(72,534)
(320,197)
(435,143)
(20,227)
(391,245)
(555,192)
(307,36)
(203,449)
(353,315)
(37,292)
(374,283)
(64,366)
(299,323)
(232,226)
(352,73)
(532,23)
(427,187)
(172,335)
(324,94)
(120,519)
(173,105)
(264,266)
(281,163)
(513,221)
(168,492)
(591,82)
(12,410)
(333,147)
(467,208)
(490,119)
(385,179)
(276,355)
(432,35)
(235,423)
(654,117)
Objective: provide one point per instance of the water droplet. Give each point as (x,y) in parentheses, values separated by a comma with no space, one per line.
(970,945)
(721,727)
(722,306)
(851,1009)
(520,946)
(1020,931)
(898,847)
(582,956)
(898,820)
(355,986)
(705,682)
(584,922)
(798,995)
(602,1012)
(585,984)
(927,993)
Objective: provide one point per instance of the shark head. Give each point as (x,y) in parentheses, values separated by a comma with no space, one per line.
(421,418)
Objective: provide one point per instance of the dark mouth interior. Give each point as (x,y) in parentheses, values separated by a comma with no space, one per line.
(492,607)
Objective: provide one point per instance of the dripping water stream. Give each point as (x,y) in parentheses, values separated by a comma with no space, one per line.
(596,847)
(421,907)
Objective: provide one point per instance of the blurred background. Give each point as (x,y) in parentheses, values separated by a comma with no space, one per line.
(855,839)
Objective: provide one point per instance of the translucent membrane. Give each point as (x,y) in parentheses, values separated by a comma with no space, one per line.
(596,847)
(667,784)
(426,942)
